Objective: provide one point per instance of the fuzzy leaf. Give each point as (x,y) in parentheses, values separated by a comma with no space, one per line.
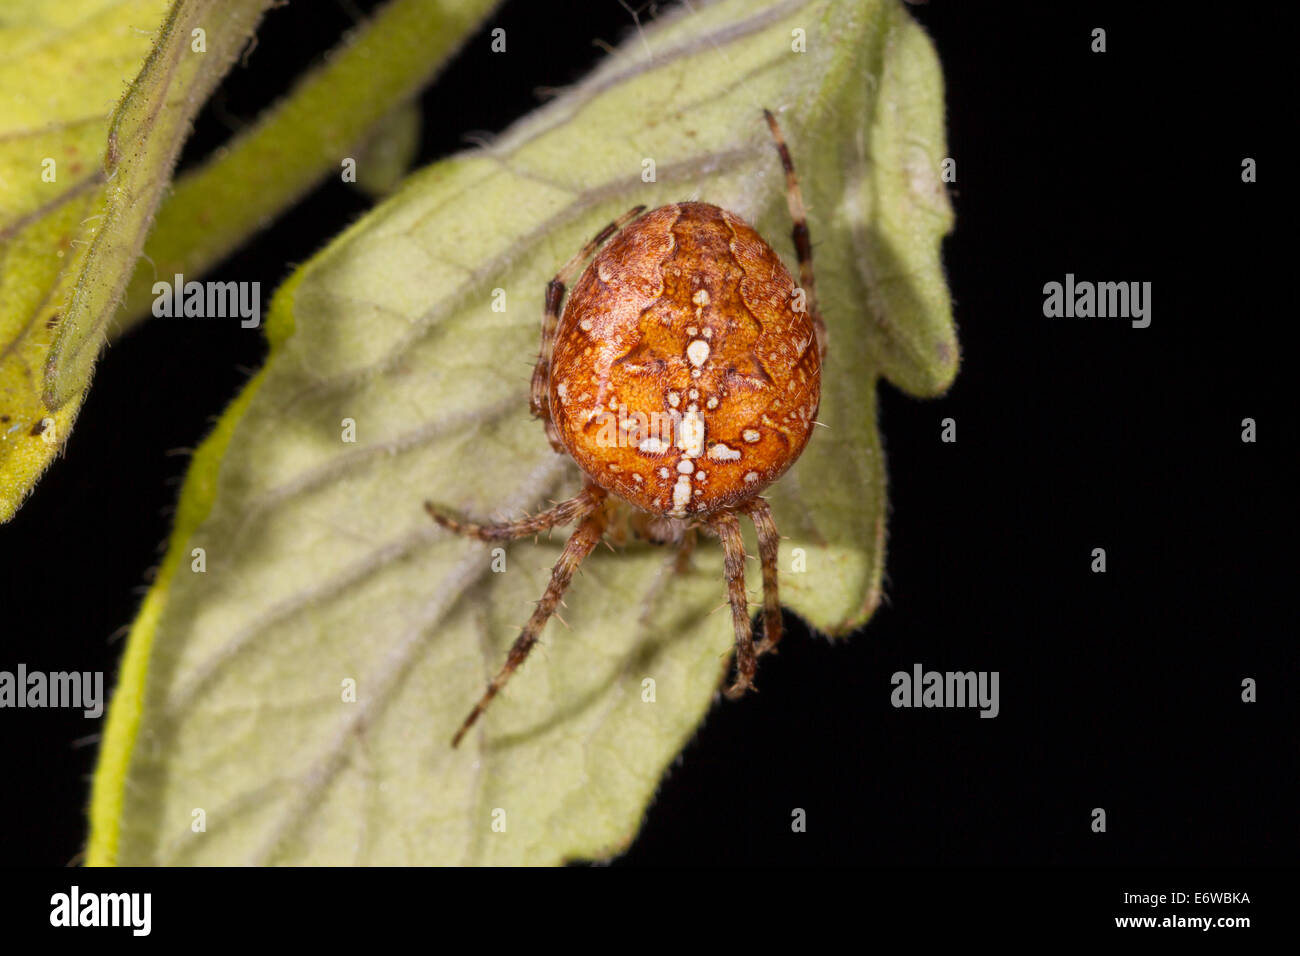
(322,570)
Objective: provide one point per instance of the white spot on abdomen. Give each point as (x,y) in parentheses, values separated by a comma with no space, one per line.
(690,434)
(698,352)
(721,452)
(652,446)
(681,495)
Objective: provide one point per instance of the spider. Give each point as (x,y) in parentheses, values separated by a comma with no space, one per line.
(683,378)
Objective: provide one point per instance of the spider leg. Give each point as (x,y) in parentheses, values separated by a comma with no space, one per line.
(579,545)
(726,526)
(802,240)
(769,543)
(566,512)
(539,399)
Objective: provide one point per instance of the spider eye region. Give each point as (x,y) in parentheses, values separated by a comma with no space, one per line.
(685,376)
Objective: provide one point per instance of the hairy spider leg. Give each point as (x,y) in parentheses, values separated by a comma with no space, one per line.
(726,526)
(566,512)
(768,547)
(588,509)
(799,232)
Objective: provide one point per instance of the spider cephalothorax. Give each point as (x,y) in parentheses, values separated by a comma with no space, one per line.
(683,378)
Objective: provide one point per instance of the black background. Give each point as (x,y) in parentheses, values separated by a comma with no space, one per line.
(1119,690)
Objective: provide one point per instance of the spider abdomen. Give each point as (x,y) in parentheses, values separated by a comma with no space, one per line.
(686,373)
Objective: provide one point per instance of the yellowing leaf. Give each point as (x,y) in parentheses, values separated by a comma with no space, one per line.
(61,58)
(299,691)
(62,67)
(79,182)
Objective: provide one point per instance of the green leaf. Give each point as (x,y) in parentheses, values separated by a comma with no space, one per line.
(68,246)
(321,568)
